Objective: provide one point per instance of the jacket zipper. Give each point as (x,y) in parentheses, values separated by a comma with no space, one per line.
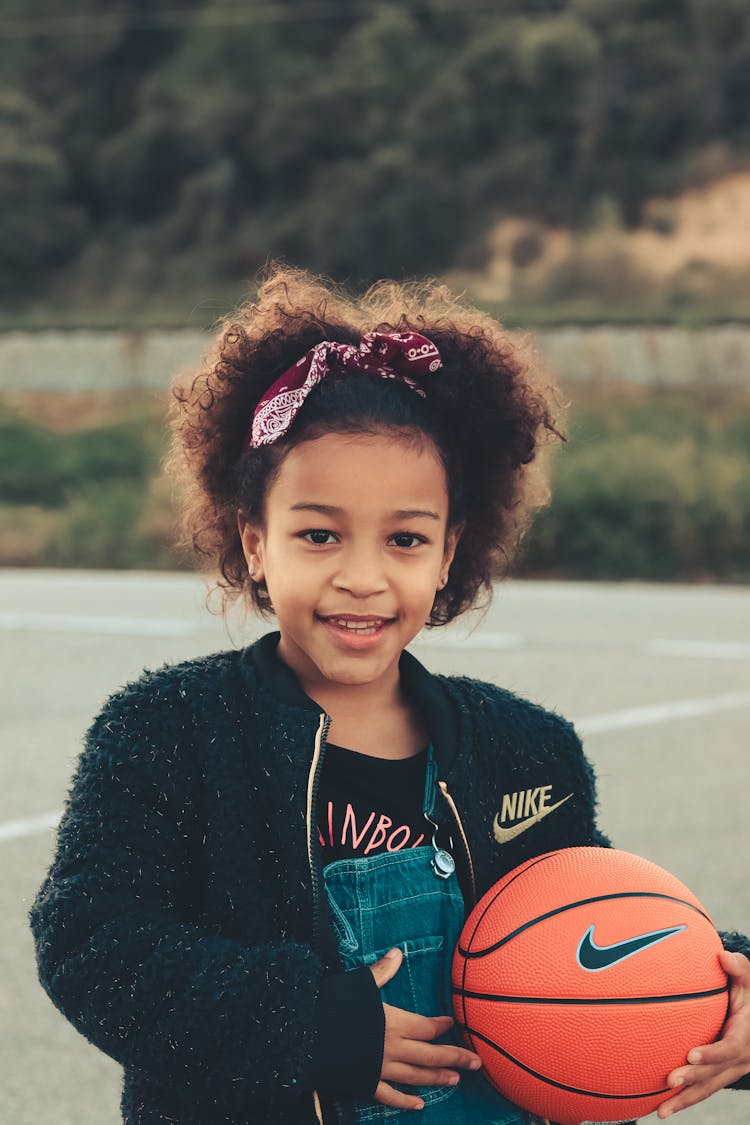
(444,790)
(312,793)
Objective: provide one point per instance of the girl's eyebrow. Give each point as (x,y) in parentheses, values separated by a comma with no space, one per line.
(401,514)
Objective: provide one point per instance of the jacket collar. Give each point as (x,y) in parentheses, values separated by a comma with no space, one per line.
(427,691)
(276,676)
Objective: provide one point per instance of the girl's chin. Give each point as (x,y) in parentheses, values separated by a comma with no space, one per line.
(342,672)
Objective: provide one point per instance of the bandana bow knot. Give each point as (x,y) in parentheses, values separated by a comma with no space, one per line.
(394,355)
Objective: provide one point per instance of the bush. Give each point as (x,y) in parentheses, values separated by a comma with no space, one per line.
(637,506)
(44,466)
(108,453)
(656,488)
(30,471)
(87,498)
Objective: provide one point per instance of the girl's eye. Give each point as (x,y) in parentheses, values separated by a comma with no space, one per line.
(322,538)
(415,540)
(318,536)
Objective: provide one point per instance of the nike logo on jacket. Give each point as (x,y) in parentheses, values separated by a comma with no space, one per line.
(503,835)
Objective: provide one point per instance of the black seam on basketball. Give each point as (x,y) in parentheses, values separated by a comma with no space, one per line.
(561,1085)
(468,952)
(593,1000)
(463,1001)
(531,863)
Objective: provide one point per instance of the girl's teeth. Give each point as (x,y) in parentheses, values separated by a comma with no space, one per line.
(365,627)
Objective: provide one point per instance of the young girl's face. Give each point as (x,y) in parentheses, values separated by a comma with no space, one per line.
(355,546)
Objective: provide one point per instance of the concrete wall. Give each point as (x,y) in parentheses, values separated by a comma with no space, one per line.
(83,361)
(649,355)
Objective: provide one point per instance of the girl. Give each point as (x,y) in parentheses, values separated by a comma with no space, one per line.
(267,855)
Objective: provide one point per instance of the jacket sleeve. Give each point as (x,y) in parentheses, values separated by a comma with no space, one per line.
(580,773)
(213,1021)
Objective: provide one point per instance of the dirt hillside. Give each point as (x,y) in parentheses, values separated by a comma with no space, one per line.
(698,241)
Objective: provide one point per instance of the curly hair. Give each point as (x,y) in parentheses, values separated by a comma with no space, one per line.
(488,412)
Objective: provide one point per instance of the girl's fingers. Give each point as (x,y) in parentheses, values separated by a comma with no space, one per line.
(690,1076)
(697,1084)
(687,1096)
(713,1066)
(413,1026)
(736,965)
(437,1056)
(387,967)
(419,1076)
(386,1095)
(706,1061)
(720,1054)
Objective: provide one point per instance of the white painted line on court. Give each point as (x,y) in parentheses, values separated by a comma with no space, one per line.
(702,650)
(542,591)
(13,829)
(594,724)
(662,712)
(437,639)
(122,626)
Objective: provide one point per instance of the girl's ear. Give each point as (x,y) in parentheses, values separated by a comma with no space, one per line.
(452,536)
(252,546)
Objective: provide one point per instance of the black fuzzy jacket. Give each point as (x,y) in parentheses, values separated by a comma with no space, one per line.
(183,928)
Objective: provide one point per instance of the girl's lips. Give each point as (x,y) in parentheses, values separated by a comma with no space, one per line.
(367,633)
(354,619)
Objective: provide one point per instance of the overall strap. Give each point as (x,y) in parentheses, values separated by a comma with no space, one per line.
(430,784)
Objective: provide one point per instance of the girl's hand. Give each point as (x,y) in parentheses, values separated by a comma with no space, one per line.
(409,1055)
(715,1065)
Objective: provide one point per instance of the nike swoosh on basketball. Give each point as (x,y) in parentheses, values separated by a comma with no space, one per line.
(593,957)
(503,835)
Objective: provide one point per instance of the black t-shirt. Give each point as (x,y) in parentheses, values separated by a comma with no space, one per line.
(368,805)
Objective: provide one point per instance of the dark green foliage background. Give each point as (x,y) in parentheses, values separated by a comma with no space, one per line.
(157,152)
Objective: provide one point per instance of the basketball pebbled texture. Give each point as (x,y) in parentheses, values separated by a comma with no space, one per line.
(582,978)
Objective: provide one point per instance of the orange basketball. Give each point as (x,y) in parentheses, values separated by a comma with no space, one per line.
(582,979)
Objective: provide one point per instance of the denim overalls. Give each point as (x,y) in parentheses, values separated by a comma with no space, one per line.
(411,899)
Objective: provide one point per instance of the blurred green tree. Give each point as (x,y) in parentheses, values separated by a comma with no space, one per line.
(39,225)
(195,140)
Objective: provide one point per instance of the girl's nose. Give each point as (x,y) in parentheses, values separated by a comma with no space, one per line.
(361,575)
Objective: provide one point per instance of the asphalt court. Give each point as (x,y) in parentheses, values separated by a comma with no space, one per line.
(655,677)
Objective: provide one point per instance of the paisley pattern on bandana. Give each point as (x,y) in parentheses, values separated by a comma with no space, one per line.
(394,355)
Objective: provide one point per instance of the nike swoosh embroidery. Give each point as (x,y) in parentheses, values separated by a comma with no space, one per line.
(503,835)
(593,958)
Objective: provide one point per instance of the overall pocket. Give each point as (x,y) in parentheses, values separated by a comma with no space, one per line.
(418,986)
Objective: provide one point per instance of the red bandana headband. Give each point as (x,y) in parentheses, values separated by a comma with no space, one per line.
(395,355)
